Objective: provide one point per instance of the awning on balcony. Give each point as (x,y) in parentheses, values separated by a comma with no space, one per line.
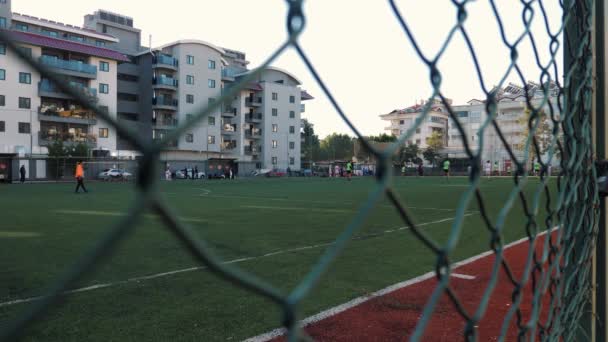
(38,40)
(306,96)
(254,86)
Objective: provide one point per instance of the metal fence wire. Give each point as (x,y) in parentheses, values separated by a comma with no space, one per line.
(566,255)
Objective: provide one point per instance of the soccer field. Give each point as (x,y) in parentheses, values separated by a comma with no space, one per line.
(151,289)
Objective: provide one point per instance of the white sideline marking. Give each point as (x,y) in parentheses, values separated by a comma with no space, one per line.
(462,276)
(119,214)
(191,269)
(359,300)
(327,210)
(18,234)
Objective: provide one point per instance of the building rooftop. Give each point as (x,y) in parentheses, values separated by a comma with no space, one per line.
(61,26)
(39,40)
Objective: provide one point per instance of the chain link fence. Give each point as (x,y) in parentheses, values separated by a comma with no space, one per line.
(573,215)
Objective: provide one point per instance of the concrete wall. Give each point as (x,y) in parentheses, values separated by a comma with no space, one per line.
(108,100)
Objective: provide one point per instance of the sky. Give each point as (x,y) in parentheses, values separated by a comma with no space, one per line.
(358,47)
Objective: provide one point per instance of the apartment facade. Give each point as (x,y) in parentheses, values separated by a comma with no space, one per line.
(150,89)
(510,117)
(33,112)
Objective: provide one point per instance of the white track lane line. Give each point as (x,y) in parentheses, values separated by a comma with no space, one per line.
(192,269)
(462,276)
(359,300)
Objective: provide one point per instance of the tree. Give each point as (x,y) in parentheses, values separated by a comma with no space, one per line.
(57,149)
(311,144)
(80,150)
(543,134)
(337,147)
(434,146)
(410,153)
(382,138)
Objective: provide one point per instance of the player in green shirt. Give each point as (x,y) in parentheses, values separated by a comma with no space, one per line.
(349,170)
(536,168)
(446,169)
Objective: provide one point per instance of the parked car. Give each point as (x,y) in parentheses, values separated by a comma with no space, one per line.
(276,173)
(110,174)
(179,174)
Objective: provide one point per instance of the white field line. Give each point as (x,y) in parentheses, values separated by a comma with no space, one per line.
(462,276)
(119,214)
(191,269)
(359,300)
(326,210)
(6,234)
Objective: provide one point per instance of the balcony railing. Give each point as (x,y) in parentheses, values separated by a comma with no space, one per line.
(164,101)
(302,108)
(46,137)
(253,101)
(48,86)
(228,128)
(253,149)
(167,81)
(253,117)
(165,122)
(253,133)
(229,111)
(77,66)
(166,60)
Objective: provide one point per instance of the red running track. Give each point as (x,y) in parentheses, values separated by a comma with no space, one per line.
(393,316)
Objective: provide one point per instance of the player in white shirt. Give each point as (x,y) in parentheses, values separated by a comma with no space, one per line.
(488,169)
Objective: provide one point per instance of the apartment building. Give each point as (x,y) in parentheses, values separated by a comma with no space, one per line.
(164,86)
(33,112)
(510,117)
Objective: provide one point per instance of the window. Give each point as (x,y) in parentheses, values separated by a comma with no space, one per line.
(274,161)
(211,100)
(212,121)
(24,128)
(21,27)
(77,38)
(292,161)
(104,132)
(188,117)
(2,49)
(462,114)
(104,88)
(189,79)
(292,99)
(190,60)
(275,128)
(2,22)
(100,43)
(104,109)
(211,83)
(292,129)
(25,102)
(417,130)
(292,145)
(211,64)
(127,97)
(25,50)
(417,141)
(189,98)
(275,96)
(292,114)
(2,126)
(2,74)
(50,33)
(25,77)
(275,144)
(401,122)
(189,138)
(211,140)
(2,101)
(275,112)
(104,66)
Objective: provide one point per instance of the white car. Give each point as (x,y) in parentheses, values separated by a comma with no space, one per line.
(108,174)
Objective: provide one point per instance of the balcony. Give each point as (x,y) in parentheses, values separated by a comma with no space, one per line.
(46,88)
(165,123)
(228,75)
(252,150)
(162,102)
(228,111)
(253,101)
(302,108)
(172,144)
(253,134)
(164,83)
(71,68)
(165,62)
(229,146)
(46,138)
(229,129)
(74,116)
(253,117)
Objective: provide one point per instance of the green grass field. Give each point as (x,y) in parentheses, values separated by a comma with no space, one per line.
(44,228)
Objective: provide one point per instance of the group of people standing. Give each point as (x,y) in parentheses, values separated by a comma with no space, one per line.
(342,171)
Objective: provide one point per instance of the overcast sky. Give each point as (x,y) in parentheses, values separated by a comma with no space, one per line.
(357,46)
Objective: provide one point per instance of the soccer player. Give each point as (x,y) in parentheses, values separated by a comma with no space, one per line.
(446,169)
(80,177)
(536,168)
(488,169)
(349,170)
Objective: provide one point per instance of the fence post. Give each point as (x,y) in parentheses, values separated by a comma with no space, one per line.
(599,128)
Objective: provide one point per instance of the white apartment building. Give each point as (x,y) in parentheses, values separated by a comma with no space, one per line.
(510,118)
(33,112)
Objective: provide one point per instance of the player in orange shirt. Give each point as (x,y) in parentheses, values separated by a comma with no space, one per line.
(80,177)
